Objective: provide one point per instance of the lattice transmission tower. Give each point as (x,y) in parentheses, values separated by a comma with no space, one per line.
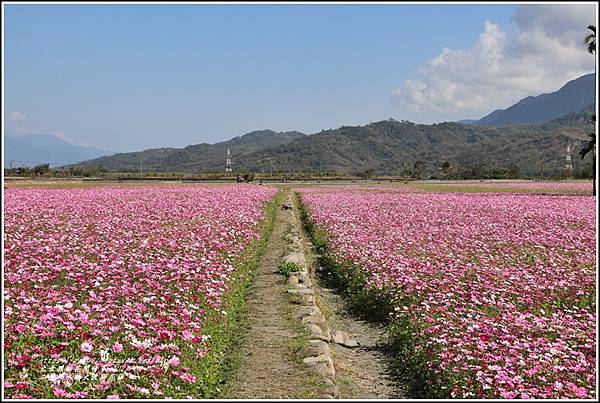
(228,161)
(568,164)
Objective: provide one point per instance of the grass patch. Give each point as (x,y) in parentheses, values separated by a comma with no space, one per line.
(287,268)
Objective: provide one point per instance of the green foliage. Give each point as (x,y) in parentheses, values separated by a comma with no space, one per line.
(411,363)
(513,172)
(286,268)
(248,176)
(419,168)
(41,169)
(367,173)
(447,169)
(62,172)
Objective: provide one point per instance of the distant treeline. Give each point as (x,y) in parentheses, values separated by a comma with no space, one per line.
(417,171)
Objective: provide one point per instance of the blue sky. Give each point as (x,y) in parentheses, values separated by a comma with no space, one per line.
(130,77)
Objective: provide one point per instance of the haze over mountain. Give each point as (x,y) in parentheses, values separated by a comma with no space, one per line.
(197,157)
(33,149)
(570,98)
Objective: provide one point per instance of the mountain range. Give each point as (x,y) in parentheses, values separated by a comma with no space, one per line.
(390,147)
(34,149)
(534,131)
(570,98)
(386,147)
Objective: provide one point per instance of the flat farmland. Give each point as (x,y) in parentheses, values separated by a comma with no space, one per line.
(491,295)
(136,290)
(114,292)
(580,187)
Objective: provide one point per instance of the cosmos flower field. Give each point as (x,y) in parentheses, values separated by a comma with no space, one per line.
(551,187)
(497,289)
(118,292)
(110,292)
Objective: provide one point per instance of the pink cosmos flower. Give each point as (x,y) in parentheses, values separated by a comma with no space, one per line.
(509,395)
(86,347)
(113,397)
(21,385)
(189,378)
(499,280)
(174,361)
(581,393)
(103,385)
(94,253)
(58,392)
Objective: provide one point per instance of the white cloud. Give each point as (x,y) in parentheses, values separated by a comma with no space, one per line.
(18,120)
(60,134)
(17,117)
(21,130)
(545,53)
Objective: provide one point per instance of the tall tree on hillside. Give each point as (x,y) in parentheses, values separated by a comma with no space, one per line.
(446,169)
(590,146)
(419,168)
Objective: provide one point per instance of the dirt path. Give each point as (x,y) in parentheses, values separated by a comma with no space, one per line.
(364,372)
(269,368)
(271,365)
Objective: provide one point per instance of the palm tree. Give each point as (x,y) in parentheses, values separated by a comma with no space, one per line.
(590,146)
(590,39)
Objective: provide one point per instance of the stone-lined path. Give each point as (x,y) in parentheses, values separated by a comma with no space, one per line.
(269,368)
(299,340)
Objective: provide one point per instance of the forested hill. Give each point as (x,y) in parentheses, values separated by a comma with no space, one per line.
(391,147)
(385,147)
(193,158)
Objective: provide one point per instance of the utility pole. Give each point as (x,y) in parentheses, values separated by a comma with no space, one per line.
(542,169)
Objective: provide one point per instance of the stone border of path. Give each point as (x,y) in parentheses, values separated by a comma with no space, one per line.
(317,354)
